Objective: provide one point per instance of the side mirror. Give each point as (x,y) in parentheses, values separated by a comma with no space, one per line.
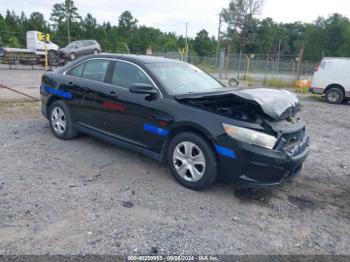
(233,82)
(141,88)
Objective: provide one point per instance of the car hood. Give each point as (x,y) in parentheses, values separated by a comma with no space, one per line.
(278,104)
(63,49)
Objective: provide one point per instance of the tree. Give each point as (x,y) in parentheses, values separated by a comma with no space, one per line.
(126,24)
(36,21)
(65,13)
(89,26)
(203,44)
(240,18)
(13,42)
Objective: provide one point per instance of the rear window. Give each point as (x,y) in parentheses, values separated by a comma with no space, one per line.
(96,70)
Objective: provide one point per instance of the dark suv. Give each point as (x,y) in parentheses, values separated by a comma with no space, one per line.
(174,112)
(79,48)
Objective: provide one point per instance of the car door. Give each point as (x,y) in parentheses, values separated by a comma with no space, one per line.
(86,49)
(73,86)
(93,79)
(132,117)
(79,48)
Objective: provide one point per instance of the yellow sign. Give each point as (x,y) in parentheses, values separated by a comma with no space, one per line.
(43,37)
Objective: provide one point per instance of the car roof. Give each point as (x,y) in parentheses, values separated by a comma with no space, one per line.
(136,59)
(144,59)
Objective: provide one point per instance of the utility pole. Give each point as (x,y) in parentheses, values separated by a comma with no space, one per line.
(186,55)
(219,37)
(67,19)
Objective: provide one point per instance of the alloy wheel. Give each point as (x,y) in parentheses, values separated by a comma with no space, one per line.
(58,120)
(333,96)
(189,161)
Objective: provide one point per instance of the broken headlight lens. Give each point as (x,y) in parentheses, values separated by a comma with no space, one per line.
(250,136)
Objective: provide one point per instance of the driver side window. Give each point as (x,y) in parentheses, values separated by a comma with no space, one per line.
(125,75)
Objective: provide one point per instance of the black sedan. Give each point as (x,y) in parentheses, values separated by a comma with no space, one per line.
(174,112)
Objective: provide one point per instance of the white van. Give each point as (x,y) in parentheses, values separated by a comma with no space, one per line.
(332,78)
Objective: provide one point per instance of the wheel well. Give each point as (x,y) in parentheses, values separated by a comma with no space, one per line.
(179,130)
(51,100)
(335,86)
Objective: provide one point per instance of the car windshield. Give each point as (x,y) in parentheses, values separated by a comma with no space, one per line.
(182,78)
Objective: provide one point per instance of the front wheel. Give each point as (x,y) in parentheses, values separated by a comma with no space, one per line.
(192,161)
(60,121)
(95,51)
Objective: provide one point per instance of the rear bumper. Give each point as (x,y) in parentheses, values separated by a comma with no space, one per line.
(259,167)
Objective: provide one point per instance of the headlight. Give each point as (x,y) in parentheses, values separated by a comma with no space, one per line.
(250,136)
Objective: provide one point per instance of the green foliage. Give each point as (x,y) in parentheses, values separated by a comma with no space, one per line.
(203,45)
(325,37)
(13,42)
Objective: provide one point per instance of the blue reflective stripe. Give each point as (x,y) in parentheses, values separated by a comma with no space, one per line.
(225,151)
(58,92)
(156,130)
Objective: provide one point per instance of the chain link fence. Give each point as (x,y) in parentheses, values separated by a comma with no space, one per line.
(251,67)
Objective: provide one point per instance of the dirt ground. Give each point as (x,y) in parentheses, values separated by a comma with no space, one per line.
(86,196)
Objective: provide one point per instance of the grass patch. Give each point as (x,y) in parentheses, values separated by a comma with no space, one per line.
(279,83)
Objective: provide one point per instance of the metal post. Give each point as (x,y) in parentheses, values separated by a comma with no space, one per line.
(221,64)
(239,64)
(46,59)
(301,57)
(278,57)
(227,65)
(267,67)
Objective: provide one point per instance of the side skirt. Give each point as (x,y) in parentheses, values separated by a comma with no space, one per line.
(116,141)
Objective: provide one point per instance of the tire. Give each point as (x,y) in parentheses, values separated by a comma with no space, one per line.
(334,95)
(233,82)
(60,121)
(200,170)
(72,56)
(95,51)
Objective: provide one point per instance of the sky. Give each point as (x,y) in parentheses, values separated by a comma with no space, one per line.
(172,15)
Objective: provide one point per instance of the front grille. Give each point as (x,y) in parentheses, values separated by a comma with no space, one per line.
(294,143)
(291,140)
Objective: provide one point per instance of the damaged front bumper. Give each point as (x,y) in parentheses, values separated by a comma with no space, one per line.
(260,167)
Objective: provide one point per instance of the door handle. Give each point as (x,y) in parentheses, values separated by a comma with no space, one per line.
(113,94)
(70,84)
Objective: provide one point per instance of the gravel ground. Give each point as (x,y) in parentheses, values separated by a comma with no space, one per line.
(21,79)
(86,196)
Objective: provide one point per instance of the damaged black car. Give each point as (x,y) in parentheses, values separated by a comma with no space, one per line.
(174,112)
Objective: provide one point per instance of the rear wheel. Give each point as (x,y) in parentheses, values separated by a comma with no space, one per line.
(60,121)
(192,161)
(334,95)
